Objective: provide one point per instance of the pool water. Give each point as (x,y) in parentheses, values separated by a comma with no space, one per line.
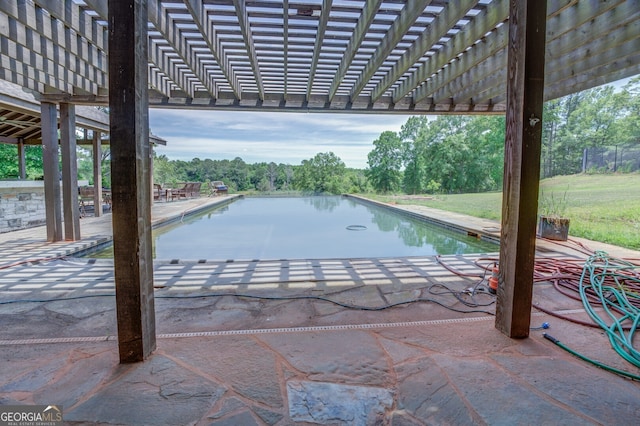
(321,227)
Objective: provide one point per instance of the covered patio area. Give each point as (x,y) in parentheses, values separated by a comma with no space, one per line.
(261,357)
(293,342)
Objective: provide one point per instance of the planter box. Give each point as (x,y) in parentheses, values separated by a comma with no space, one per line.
(553,228)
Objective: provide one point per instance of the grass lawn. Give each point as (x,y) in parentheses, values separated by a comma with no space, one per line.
(602,208)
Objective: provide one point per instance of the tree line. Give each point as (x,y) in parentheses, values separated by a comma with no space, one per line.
(324,173)
(447,154)
(459,154)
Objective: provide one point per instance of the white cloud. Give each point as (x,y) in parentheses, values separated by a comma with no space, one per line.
(269,136)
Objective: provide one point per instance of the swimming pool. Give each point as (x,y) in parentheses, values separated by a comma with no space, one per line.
(322,227)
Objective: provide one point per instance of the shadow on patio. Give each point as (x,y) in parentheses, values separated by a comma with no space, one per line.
(279,343)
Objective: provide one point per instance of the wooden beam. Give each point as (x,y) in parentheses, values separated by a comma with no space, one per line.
(22,163)
(69,172)
(357,37)
(410,13)
(158,16)
(245,29)
(46,49)
(159,54)
(159,81)
(214,42)
(285,50)
(53,213)
(453,12)
(74,99)
(525,87)
(97,173)
(78,20)
(130,179)
(317,47)
(595,52)
(464,76)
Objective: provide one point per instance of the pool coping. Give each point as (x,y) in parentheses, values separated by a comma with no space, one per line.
(480,228)
(105,241)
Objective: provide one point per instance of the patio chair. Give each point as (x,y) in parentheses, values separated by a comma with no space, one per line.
(195,189)
(179,192)
(220,187)
(85,198)
(158,192)
(212,189)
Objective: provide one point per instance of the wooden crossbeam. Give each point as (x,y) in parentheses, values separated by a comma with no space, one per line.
(322,27)
(159,54)
(245,29)
(159,81)
(360,31)
(476,30)
(211,37)
(42,42)
(171,33)
(485,59)
(473,77)
(76,18)
(410,13)
(565,57)
(453,12)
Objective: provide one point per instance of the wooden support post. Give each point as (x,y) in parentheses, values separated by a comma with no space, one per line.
(97,174)
(130,180)
(53,212)
(525,86)
(22,161)
(151,181)
(69,172)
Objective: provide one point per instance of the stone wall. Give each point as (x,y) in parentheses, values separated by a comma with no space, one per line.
(19,210)
(21,205)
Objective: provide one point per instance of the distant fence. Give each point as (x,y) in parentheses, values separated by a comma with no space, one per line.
(612,159)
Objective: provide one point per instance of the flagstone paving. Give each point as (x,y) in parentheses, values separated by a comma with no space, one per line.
(295,342)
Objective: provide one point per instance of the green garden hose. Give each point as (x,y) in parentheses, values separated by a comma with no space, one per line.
(592,361)
(616,283)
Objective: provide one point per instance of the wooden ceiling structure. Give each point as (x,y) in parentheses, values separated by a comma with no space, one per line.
(376,56)
(20,117)
(381,56)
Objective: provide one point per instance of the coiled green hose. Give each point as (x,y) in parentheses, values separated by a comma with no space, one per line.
(616,283)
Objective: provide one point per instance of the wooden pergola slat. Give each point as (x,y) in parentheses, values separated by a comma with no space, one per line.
(366,17)
(410,13)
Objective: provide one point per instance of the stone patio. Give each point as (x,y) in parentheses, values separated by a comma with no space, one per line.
(283,343)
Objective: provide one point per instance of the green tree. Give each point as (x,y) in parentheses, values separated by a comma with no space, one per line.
(462,153)
(385,162)
(164,170)
(413,154)
(324,173)
(9,161)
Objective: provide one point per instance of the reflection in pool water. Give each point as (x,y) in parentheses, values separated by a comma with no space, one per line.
(305,228)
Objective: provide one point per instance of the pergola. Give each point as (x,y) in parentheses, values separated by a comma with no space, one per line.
(382,56)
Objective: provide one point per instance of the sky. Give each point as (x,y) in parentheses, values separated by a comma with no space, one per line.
(280,137)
